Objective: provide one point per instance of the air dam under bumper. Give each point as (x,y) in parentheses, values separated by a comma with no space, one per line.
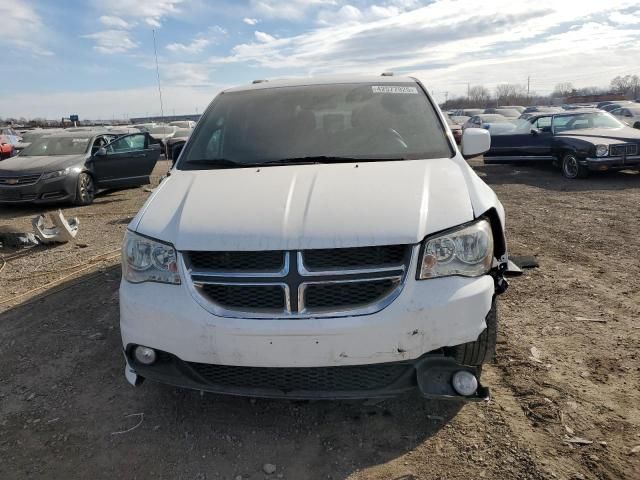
(431,374)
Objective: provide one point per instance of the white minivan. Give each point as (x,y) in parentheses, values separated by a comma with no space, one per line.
(317,239)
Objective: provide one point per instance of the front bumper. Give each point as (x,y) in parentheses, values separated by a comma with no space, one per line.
(59,189)
(431,374)
(611,163)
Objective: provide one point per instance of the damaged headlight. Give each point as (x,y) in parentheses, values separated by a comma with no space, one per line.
(465,251)
(147,260)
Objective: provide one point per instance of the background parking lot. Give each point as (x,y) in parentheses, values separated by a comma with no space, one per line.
(566,385)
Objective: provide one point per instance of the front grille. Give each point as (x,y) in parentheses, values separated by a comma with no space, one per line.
(275,284)
(359,257)
(237,261)
(19,180)
(623,149)
(266,297)
(334,295)
(318,379)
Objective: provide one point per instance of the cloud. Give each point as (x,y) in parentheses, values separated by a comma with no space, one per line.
(23,28)
(288,9)
(250,21)
(114,22)
(152,12)
(263,37)
(112,41)
(196,46)
(346,13)
(200,42)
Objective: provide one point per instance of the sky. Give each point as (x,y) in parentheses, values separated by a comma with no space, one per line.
(95,58)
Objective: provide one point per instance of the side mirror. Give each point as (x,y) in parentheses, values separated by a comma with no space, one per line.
(535,131)
(101,152)
(475,141)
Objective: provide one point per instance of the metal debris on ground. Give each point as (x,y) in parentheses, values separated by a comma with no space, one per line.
(61,232)
(525,261)
(16,240)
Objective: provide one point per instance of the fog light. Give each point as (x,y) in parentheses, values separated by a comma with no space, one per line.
(144,355)
(464,383)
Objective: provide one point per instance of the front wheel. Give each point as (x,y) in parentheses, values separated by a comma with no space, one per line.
(636,125)
(85,190)
(571,169)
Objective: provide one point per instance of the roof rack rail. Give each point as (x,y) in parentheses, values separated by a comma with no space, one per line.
(259,81)
(387,74)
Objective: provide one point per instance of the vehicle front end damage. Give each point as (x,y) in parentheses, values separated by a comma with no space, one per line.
(375,325)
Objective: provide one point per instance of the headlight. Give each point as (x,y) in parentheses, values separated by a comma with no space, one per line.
(465,251)
(59,173)
(146,260)
(602,150)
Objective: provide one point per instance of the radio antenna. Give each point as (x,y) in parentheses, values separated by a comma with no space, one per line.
(155,51)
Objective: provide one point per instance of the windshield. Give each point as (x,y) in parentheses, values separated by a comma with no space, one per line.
(46,146)
(337,122)
(508,112)
(563,123)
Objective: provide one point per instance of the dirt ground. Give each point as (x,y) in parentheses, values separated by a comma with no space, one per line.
(566,385)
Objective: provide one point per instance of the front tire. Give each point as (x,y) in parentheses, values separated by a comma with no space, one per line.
(483,350)
(85,190)
(571,169)
(636,125)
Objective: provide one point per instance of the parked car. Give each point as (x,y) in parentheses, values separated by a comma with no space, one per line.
(616,105)
(629,114)
(459,119)
(162,133)
(71,167)
(9,139)
(488,121)
(519,108)
(144,127)
(505,112)
(273,260)
(190,124)
(468,112)
(179,139)
(538,108)
(579,142)
(455,128)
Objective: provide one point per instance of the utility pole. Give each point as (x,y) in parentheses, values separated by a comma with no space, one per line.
(155,51)
(446,97)
(468,91)
(528,84)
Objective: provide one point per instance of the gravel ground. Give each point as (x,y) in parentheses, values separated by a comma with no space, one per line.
(566,384)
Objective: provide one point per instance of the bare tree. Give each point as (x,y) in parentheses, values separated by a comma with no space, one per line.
(563,89)
(628,85)
(479,95)
(511,93)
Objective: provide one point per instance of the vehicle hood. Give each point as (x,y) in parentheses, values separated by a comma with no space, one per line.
(604,135)
(308,206)
(25,164)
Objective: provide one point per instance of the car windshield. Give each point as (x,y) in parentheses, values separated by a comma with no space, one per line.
(508,112)
(563,123)
(341,122)
(46,146)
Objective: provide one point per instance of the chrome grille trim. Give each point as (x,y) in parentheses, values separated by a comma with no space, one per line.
(20,180)
(295,275)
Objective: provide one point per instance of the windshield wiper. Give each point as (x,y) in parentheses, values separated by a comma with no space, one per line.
(311,160)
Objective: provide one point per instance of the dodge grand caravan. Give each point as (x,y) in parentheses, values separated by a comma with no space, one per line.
(317,238)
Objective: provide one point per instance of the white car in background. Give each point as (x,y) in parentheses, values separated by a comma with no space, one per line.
(317,238)
(493,122)
(162,133)
(183,124)
(629,114)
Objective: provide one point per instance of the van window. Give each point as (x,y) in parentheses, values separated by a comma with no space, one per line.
(353,121)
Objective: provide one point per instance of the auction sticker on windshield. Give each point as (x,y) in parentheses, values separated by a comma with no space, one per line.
(394,89)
